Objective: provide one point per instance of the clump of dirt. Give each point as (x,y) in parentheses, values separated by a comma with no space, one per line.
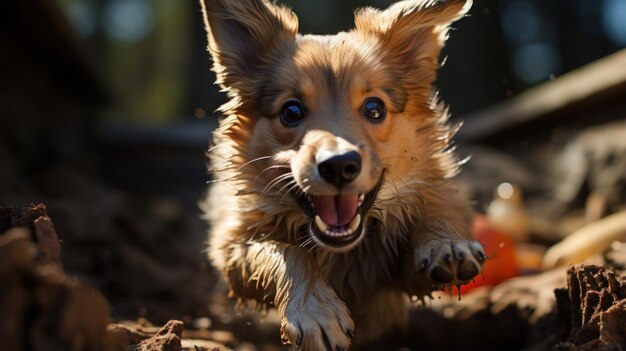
(43,309)
(166,339)
(35,218)
(594,308)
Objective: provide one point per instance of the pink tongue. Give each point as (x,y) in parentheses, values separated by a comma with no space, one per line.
(336,210)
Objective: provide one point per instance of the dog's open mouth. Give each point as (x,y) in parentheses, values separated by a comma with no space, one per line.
(337,220)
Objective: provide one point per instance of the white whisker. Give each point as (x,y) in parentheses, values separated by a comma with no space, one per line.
(252,161)
(256,179)
(288,188)
(275,182)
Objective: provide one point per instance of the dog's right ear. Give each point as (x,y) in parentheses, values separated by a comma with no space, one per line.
(241,34)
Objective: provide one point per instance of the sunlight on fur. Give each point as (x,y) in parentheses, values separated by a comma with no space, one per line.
(334,197)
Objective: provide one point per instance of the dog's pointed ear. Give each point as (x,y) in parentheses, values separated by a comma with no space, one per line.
(241,34)
(412,30)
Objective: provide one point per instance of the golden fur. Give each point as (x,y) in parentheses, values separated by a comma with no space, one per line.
(413,239)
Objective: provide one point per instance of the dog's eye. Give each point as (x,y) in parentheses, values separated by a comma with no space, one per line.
(374,109)
(291,113)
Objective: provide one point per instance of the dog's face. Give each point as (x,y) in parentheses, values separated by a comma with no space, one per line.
(342,125)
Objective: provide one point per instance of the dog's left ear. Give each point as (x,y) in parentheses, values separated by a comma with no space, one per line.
(412,31)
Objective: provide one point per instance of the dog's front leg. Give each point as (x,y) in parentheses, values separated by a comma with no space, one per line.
(441,258)
(286,276)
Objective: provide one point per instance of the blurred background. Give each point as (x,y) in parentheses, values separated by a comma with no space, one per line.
(150,54)
(107,108)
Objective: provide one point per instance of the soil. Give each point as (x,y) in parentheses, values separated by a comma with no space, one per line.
(45,308)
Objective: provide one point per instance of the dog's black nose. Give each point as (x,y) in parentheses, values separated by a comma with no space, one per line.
(341,169)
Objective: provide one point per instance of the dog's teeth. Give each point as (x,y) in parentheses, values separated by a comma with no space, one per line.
(355,223)
(336,232)
(323,227)
(361,197)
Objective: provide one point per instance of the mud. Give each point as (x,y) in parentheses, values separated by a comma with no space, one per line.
(45,308)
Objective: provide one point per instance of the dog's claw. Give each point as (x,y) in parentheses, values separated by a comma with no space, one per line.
(424,265)
(299,340)
(350,333)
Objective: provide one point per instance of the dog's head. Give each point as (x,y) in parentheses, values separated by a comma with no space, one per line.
(323,123)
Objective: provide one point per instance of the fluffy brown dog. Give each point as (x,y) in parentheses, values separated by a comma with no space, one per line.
(333,199)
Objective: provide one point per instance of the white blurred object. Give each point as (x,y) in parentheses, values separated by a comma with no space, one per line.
(587,241)
(507,213)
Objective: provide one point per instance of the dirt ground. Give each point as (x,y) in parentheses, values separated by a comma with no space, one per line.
(45,308)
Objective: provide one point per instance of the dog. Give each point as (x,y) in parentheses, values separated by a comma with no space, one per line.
(333,199)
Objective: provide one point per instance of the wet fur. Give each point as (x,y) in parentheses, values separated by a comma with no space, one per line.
(257,234)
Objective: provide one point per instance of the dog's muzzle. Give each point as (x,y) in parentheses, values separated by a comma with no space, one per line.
(337,221)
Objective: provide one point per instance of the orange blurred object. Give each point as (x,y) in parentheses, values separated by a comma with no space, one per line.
(501,261)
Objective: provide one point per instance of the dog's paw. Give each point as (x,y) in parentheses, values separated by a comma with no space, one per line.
(447,262)
(317,321)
